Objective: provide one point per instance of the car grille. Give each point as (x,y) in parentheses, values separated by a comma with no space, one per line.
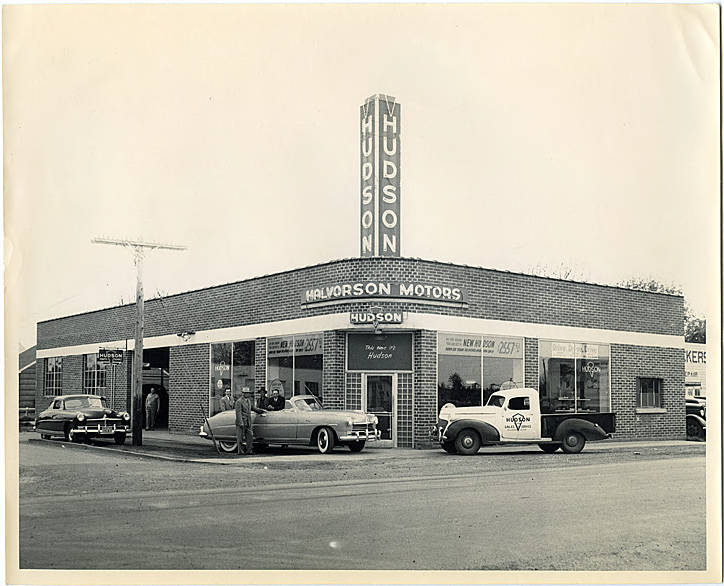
(362,427)
(102,422)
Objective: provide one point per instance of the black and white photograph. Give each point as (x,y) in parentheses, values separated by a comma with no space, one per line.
(362,293)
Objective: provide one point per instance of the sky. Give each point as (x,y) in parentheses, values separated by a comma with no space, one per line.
(532,135)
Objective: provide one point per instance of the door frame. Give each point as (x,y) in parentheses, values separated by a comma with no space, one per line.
(393,420)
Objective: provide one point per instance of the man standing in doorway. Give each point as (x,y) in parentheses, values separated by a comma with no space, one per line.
(244,433)
(153,402)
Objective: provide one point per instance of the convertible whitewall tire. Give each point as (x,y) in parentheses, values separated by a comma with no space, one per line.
(325,440)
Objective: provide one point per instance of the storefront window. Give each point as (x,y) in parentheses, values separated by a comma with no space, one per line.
(503,366)
(295,365)
(232,369)
(470,368)
(243,366)
(459,370)
(574,377)
(220,375)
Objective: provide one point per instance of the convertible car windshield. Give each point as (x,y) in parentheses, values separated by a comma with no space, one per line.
(84,402)
(309,404)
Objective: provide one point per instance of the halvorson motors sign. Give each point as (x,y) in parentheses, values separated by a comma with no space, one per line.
(384,289)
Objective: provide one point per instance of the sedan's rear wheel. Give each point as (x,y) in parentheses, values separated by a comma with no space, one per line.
(325,440)
(227,446)
(356,446)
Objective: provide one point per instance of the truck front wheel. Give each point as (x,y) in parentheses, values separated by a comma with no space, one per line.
(573,442)
(467,442)
(449,447)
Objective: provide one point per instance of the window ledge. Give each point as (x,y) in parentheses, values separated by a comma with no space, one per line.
(650,410)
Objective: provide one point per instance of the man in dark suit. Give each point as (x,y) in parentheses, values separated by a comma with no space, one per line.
(263,402)
(276,403)
(244,433)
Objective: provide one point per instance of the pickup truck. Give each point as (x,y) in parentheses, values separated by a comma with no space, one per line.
(513,417)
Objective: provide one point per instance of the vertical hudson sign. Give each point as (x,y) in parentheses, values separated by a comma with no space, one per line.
(380,177)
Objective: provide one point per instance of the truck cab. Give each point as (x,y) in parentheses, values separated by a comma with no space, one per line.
(514,416)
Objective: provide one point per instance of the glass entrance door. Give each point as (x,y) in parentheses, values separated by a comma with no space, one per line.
(380,398)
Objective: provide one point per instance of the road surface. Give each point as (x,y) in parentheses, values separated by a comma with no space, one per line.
(529,511)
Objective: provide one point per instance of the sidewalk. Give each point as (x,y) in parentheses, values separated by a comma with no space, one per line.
(161,444)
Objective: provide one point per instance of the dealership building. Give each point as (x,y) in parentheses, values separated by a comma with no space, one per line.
(395,336)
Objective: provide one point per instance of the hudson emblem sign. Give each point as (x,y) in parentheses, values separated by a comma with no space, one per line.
(375,317)
(384,290)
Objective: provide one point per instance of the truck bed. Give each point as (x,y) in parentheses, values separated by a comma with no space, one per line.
(550,421)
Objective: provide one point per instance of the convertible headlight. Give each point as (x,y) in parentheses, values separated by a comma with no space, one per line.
(373,419)
(80,417)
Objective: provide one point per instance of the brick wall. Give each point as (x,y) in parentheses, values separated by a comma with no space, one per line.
(628,363)
(333,370)
(490,294)
(188,387)
(425,385)
(260,366)
(531,363)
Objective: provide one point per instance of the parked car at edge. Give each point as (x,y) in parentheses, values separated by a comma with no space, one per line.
(696,418)
(514,417)
(79,417)
(303,422)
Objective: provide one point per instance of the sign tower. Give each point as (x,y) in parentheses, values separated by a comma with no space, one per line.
(380,176)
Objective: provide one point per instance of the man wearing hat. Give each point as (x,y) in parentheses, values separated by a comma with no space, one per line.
(244,406)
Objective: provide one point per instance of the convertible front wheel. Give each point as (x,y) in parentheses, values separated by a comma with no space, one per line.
(227,446)
(325,440)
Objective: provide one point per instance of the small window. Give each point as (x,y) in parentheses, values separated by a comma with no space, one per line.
(57,404)
(649,392)
(94,375)
(519,404)
(53,376)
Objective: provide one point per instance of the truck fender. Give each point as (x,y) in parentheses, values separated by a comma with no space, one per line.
(488,433)
(589,430)
(697,418)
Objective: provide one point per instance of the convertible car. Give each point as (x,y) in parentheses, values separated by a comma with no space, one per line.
(302,422)
(79,417)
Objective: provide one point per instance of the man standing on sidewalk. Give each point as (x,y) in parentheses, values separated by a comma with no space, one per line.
(153,402)
(244,434)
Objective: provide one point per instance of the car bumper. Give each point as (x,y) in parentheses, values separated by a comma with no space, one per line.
(437,433)
(360,436)
(101,430)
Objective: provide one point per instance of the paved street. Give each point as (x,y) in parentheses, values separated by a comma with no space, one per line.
(618,508)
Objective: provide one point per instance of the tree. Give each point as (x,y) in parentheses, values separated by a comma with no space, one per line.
(563,270)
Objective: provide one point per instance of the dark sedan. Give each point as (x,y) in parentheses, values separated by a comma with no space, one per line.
(79,417)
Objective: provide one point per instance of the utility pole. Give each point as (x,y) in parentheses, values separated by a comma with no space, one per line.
(139,249)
